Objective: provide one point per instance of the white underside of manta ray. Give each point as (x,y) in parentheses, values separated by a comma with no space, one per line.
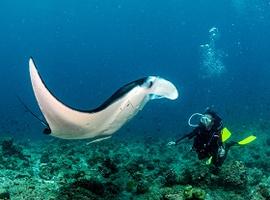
(100,123)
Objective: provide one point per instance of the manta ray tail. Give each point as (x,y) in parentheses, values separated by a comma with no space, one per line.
(47,128)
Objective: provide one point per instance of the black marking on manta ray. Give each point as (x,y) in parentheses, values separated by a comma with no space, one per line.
(47,131)
(116,96)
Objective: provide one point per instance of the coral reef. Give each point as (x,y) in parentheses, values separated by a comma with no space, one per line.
(9,149)
(191,193)
(233,176)
(139,169)
(4,195)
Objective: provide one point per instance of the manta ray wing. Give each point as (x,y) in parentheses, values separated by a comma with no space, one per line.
(63,121)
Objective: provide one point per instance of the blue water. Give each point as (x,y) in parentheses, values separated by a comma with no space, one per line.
(85,50)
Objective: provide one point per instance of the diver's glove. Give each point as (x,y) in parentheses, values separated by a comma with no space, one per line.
(171,143)
(221,151)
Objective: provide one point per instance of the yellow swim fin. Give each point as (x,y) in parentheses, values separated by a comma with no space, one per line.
(209,161)
(226,134)
(247,140)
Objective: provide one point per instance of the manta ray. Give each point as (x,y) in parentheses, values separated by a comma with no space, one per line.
(100,123)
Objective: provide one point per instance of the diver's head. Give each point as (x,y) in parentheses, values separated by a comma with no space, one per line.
(207,121)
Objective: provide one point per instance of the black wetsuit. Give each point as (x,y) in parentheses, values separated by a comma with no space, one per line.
(207,143)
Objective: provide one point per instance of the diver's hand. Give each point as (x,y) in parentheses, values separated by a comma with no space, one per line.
(171,143)
(221,152)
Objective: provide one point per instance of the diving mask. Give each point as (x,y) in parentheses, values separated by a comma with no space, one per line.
(206,120)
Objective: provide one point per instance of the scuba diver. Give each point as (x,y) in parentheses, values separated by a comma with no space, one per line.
(209,137)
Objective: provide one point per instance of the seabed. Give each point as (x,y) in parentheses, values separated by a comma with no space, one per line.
(142,168)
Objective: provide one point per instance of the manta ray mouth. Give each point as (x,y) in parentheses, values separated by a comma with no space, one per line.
(69,123)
